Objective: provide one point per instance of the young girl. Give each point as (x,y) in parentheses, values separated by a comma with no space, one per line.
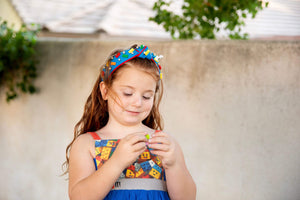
(118,150)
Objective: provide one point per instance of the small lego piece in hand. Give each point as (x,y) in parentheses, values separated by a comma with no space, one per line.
(148,136)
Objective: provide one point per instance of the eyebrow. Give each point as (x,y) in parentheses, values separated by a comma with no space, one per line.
(134,88)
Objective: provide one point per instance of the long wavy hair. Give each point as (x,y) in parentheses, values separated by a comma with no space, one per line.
(95,115)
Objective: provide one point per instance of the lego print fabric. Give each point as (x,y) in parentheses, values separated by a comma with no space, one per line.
(147,165)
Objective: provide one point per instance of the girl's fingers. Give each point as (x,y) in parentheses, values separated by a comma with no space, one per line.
(160,134)
(139,146)
(159,146)
(136,137)
(160,139)
(159,153)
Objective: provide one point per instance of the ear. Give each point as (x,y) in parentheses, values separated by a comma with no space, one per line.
(103,90)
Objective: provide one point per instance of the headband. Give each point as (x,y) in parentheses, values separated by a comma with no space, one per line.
(122,57)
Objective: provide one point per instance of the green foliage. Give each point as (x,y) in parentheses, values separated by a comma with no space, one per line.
(206,17)
(17,60)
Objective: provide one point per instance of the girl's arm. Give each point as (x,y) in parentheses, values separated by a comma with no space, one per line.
(84,181)
(179,182)
(87,184)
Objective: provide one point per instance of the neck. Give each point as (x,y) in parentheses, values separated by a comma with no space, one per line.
(116,130)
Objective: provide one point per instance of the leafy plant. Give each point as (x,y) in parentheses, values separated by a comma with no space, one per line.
(206,17)
(17,60)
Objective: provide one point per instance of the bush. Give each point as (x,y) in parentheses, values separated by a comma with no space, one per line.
(203,18)
(17,60)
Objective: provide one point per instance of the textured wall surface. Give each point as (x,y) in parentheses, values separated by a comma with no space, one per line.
(234,106)
(8,13)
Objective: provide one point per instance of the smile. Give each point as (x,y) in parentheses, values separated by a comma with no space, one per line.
(133,112)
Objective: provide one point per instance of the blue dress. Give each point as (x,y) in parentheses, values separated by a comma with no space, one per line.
(144,179)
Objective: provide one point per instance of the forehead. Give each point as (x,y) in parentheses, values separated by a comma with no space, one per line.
(135,77)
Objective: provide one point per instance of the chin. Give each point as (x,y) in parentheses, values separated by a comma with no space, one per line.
(133,122)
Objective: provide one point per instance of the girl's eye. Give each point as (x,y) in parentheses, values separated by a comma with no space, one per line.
(146,97)
(127,94)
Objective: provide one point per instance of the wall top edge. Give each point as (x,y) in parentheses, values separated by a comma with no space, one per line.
(126,41)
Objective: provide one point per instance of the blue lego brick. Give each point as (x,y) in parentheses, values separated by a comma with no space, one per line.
(100,143)
(157,168)
(146,166)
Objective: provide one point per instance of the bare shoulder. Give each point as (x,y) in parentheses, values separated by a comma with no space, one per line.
(81,163)
(81,157)
(83,143)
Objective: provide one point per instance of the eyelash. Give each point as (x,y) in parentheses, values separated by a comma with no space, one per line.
(129,94)
(147,98)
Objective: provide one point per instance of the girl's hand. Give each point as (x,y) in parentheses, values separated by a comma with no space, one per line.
(165,147)
(129,148)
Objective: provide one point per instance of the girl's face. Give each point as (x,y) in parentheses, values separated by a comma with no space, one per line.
(134,90)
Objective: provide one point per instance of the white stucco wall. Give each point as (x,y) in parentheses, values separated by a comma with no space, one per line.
(234,106)
(8,13)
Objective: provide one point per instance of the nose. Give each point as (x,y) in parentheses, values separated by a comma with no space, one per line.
(137,101)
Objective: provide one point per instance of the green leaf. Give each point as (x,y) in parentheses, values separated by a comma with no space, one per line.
(266,4)
(31,89)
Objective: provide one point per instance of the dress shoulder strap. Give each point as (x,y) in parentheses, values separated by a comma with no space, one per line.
(95,135)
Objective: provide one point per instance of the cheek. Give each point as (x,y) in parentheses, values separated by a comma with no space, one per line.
(148,106)
(124,102)
(116,104)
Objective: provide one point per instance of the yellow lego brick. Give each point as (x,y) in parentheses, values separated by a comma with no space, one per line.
(97,162)
(139,173)
(153,172)
(131,50)
(157,160)
(98,150)
(129,173)
(146,52)
(111,143)
(105,153)
(145,155)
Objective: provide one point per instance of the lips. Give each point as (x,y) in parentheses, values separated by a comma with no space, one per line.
(133,112)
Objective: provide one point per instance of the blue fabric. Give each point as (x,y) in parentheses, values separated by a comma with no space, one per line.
(137,194)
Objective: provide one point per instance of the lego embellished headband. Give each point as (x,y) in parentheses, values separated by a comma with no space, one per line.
(124,56)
